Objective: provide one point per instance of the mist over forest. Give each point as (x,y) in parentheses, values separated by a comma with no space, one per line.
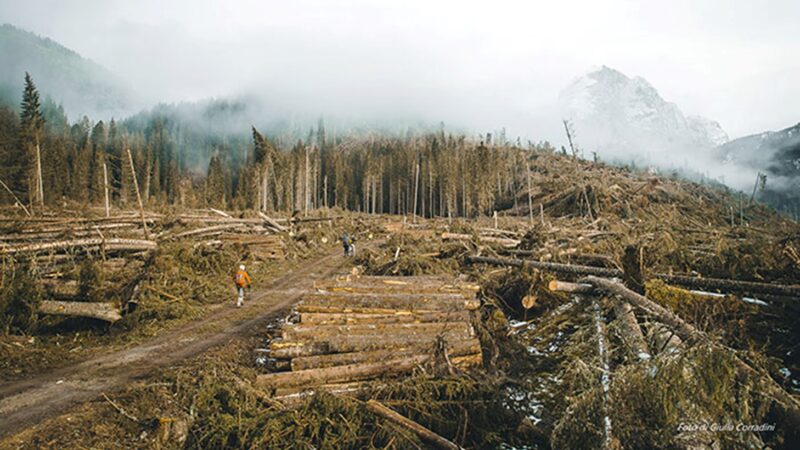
(362,69)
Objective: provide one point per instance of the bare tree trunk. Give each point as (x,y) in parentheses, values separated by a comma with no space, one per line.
(39,181)
(530,194)
(105,188)
(138,195)
(416,189)
(102,311)
(325,191)
(306,194)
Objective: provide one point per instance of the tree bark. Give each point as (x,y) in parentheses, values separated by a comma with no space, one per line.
(505,242)
(631,332)
(344,344)
(111,244)
(385,303)
(454,349)
(271,222)
(309,332)
(341,374)
(355,318)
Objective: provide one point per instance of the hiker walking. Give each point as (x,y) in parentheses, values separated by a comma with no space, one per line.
(242,280)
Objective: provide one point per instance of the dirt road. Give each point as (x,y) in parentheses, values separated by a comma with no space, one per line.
(24,403)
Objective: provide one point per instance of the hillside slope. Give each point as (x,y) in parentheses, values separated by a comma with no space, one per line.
(82,86)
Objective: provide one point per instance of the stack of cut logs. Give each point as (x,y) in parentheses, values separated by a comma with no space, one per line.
(354,329)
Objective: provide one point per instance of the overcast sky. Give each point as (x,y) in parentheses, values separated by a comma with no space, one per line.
(483,65)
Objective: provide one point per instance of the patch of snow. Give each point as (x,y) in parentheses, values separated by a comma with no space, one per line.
(754,301)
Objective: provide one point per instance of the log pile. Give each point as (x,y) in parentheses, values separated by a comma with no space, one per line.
(359,329)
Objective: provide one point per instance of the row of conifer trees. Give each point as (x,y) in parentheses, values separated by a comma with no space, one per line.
(49,162)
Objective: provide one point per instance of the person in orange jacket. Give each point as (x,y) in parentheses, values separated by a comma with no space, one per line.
(242,280)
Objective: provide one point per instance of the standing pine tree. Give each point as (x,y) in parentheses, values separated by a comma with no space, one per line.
(30,134)
(215,189)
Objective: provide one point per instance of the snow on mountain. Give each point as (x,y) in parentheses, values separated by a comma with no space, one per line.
(626,118)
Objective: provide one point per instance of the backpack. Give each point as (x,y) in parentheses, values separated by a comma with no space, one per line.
(239,279)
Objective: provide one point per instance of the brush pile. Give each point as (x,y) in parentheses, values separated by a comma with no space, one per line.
(94,267)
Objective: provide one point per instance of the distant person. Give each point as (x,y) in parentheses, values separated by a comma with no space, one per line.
(242,280)
(346,243)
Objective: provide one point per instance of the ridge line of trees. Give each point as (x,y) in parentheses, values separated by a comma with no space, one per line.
(46,161)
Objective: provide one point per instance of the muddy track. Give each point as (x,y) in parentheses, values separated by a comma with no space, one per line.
(25,403)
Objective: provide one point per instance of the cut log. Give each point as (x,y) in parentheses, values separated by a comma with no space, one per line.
(220,213)
(362,285)
(550,266)
(102,311)
(386,303)
(566,286)
(469,347)
(295,394)
(112,244)
(345,344)
(409,425)
(341,374)
(355,318)
(271,222)
(320,332)
(733,286)
(505,242)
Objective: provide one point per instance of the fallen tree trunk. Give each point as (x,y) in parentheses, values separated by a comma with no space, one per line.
(345,344)
(630,330)
(685,331)
(553,267)
(356,318)
(341,374)
(454,349)
(423,433)
(321,332)
(293,395)
(102,311)
(206,230)
(690,334)
(505,242)
(694,282)
(112,244)
(735,286)
(271,222)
